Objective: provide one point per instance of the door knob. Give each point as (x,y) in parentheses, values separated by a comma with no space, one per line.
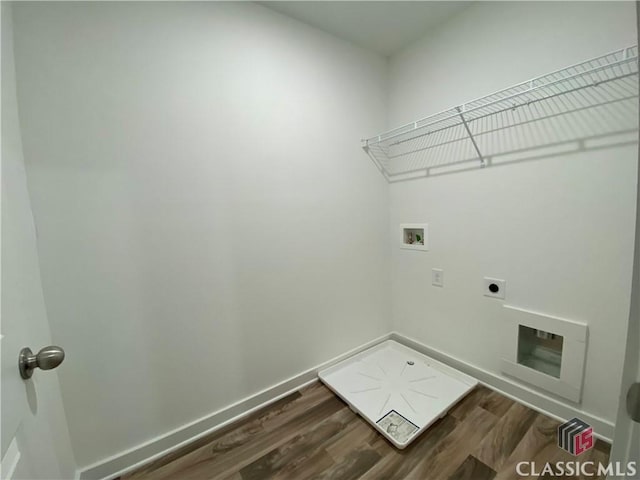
(46,359)
(633,402)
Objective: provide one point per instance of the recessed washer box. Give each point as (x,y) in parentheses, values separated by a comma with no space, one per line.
(399,391)
(414,236)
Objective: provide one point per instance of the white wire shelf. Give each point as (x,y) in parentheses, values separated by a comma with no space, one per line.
(590,100)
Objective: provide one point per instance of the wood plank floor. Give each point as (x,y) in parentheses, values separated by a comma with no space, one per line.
(313,434)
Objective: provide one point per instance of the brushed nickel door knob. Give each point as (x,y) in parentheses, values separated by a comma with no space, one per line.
(46,359)
(633,402)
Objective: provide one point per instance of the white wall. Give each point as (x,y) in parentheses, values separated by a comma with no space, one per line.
(32,411)
(208,225)
(558,229)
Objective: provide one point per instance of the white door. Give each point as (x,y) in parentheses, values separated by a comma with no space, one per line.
(34,437)
(626,442)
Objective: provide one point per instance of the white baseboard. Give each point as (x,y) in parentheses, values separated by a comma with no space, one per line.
(133,458)
(136,457)
(509,388)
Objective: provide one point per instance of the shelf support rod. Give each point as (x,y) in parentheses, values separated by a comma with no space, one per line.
(473,140)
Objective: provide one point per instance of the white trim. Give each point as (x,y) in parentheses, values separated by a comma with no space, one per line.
(135,457)
(533,399)
(10,461)
(138,456)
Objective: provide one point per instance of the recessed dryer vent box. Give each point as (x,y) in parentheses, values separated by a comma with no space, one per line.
(545,351)
(399,391)
(414,236)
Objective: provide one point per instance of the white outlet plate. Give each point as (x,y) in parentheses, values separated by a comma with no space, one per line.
(501,284)
(437,277)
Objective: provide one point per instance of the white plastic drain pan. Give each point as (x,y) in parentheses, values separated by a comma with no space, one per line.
(399,391)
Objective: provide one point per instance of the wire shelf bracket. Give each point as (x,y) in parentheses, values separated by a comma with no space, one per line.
(466,127)
(594,98)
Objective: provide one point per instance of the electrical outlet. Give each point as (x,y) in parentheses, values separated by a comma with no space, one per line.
(437,277)
(494,287)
